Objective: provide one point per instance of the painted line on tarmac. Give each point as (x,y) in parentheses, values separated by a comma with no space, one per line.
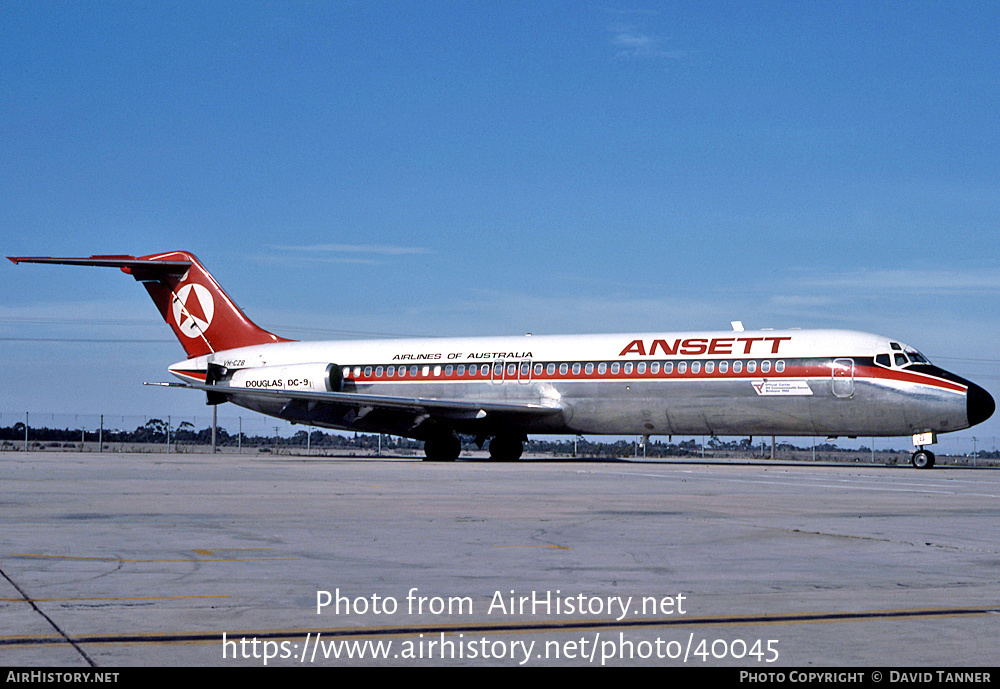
(122,559)
(522,627)
(114,598)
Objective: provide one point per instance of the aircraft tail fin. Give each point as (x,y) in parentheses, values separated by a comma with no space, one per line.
(203,317)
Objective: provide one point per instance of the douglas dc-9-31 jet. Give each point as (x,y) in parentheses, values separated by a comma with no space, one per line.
(500,389)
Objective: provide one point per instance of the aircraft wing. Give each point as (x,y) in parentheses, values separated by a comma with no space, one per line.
(440,408)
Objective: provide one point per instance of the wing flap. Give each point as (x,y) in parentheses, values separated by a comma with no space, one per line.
(442,408)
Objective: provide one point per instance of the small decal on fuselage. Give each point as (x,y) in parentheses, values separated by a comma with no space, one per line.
(781,387)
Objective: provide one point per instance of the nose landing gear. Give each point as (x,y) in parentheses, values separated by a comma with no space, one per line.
(922,459)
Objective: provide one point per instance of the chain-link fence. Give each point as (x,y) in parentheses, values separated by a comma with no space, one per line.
(256,433)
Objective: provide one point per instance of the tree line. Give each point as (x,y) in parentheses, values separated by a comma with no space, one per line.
(157,431)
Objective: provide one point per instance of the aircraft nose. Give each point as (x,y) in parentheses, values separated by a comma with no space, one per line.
(980,404)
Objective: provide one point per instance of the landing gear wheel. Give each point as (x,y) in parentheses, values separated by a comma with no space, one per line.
(442,448)
(922,459)
(505,449)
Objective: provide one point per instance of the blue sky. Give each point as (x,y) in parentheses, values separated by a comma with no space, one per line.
(442,168)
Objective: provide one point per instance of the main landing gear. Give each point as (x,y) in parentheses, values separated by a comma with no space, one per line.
(446,447)
(443,448)
(506,448)
(922,459)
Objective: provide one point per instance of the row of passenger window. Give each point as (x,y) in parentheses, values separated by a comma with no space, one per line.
(525,370)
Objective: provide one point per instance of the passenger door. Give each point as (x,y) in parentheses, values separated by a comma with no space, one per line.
(843,377)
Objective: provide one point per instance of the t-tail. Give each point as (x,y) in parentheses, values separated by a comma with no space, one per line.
(203,317)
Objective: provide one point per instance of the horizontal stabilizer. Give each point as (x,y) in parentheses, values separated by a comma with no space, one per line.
(140,268)
(203,317)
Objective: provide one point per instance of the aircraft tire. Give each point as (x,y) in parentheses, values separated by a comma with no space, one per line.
(444,448)
(505,449)
(922,459)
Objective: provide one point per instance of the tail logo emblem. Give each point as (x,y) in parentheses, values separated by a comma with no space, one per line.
(193,309)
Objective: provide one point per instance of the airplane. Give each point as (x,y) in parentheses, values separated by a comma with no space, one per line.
(768,382)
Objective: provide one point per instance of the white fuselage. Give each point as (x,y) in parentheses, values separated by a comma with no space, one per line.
(791,382)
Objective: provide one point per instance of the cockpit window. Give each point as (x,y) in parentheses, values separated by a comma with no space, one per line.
(900,356)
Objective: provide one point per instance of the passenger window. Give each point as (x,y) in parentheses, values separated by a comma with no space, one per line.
(602,368)
(780,367)
(563,369)
(628,368)
(723,367)
(751,366)
(682,367)
(654,367)
(765,366)
(615,368)
(550,369)
(695,367)
(589,369)
(640,368)
(576,369)
(709,367)
(737,366)
(668,367)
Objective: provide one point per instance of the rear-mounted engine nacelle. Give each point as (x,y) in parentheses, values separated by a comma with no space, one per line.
(307,377)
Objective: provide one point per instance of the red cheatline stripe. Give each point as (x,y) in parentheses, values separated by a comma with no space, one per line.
(911,377)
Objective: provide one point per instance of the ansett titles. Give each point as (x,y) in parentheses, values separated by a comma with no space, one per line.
(693,346)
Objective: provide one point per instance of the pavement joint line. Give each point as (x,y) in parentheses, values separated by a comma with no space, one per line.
(65,638)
